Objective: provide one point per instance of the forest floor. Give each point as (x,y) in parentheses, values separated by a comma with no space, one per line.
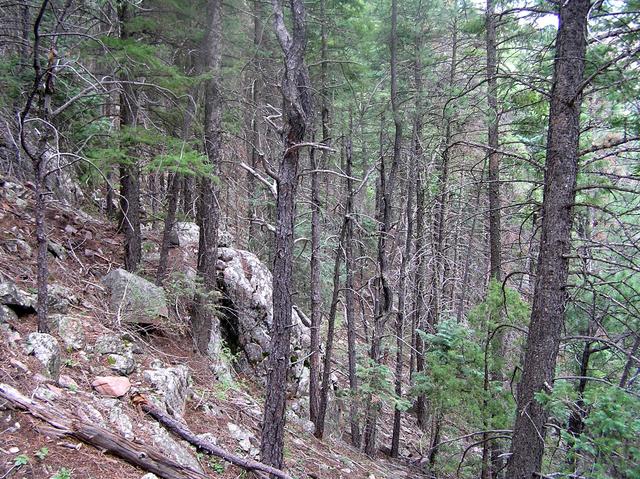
(92,249)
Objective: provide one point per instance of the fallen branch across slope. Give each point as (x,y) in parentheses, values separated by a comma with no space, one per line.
(64,424)
(183,431)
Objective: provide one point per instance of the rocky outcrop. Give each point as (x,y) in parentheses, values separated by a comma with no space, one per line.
(247,312)
(119,353)
(171,385)
(18,300)
(71,332)
(134,299)
(46,350)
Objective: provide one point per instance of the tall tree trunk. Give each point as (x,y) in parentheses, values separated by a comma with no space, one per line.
(397,145)
(547,316)
(328,353)
(495,266)
(402,289)
(296,112)
(349,294)
(314,361)
(204,324)
(129,171)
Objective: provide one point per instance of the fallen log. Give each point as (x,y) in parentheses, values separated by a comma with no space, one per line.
(63,423)
(183,432)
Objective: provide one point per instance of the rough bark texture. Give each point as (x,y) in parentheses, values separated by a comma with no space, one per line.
(129,170)
(296,112)
(349,296)
(547,316)
(397,145)
(203,320)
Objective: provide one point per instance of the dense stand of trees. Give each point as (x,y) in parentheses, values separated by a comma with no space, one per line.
(449,189)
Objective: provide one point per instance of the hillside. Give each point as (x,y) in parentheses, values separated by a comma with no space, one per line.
(226,410)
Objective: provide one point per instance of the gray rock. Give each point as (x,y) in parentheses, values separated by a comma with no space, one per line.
(208,437)
(90,414)
(60,298)
(111,343)
(246,285)
(188,233)
(120,420)
(45,348)
(7,314)
(56,249)
(177,451)
(67,382)
(134,299)
(149,476)
(71,332)
(121,364)
(17,299)
(172,384)
(19,247)
(43,393)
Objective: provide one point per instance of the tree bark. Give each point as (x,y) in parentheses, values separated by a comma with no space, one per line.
(203,321)
(296,113)
(129,170)
(349,299)
(547,316)
(397,145)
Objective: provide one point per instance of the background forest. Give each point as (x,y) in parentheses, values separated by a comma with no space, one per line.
(447,190)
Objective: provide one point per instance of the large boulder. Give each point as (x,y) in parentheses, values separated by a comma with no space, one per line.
(247,311)
(18,300)
(134,299)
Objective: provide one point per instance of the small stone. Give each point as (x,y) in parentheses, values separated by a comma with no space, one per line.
(122,364)
(149,476)
(56,249)
(112,386)
(14,450)
(68,382)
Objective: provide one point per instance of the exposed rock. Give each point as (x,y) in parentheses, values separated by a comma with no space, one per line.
(19,247)
(45,348)
(111,343)
(7,314)
(46,393)
(90,414)
(246,286)
(188,233)
(60,298)
(17,299)
(113,386)
(245,438)
(208,437)
(122,364)
(172,448)
(119,418)
(68,382)
(56,249)
(134,299)
(305,424)
(172,384)
(71,332)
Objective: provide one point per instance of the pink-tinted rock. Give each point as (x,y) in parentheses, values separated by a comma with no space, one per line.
(113,386)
